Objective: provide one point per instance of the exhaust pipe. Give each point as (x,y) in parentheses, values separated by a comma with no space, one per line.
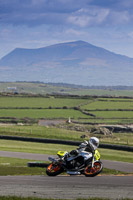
(73,173)
(52,159)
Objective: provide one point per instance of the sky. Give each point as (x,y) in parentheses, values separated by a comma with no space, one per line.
(39,23)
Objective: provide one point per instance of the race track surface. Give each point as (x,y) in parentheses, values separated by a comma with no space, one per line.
(121,166)
(67,187)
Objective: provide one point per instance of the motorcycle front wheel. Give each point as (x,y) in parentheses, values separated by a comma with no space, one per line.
(95,170)
(54,169)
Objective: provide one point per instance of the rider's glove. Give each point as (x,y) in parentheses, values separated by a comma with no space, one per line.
(83,145)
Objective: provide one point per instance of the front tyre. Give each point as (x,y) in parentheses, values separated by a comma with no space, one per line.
(54,169)
(95,170)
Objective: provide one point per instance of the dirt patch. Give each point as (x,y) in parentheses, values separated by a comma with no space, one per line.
(119,128)
(101,131)
(50,122)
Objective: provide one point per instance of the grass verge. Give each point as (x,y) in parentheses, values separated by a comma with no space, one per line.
(16,166)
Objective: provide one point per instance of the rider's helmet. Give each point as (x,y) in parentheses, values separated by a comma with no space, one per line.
(94,142)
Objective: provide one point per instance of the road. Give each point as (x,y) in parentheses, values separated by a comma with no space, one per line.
(121,166)
(67,187)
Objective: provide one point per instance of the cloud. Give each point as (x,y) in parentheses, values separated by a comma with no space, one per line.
(74,32)
(65,12)
(89,16)
(113,4)
(31,12)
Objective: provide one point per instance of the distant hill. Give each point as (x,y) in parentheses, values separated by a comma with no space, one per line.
(74,63)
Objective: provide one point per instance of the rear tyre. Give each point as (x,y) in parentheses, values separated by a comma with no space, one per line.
(54,169)
(95,170)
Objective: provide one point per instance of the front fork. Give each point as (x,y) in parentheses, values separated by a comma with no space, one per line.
(93,160)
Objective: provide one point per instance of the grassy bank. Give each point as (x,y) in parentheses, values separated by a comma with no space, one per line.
(40,132)
(64,134)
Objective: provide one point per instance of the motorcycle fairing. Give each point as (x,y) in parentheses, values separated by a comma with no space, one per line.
(62,153)
(86,155)
(97,155)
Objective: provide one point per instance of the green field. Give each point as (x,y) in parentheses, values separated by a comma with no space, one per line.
(37,107)
(110,110)
(108,104)
(42,113)
(83,109)
(113,114)
(39,102)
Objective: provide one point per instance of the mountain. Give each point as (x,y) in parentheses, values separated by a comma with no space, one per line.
(74,62)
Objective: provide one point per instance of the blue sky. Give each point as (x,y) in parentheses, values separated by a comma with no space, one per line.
(39,23)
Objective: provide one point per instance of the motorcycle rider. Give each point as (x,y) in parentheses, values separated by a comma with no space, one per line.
(88,146)
(91,145)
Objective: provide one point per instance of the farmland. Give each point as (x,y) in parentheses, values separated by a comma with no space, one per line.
(41,113)
(38,102)
(111,110)
(83,111)
(42,88)
(109,104)
(80,109)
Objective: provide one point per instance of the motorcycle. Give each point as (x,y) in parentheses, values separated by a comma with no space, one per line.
(76,162)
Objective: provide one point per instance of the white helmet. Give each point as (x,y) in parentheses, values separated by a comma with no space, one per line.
(94,142)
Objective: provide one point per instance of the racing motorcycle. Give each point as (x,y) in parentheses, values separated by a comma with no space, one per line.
(75,163)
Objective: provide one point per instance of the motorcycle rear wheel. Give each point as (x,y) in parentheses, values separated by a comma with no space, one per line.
(54,169)
(95,170)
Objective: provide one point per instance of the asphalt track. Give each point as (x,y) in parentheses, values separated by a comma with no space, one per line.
(67,187)
(121,166)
